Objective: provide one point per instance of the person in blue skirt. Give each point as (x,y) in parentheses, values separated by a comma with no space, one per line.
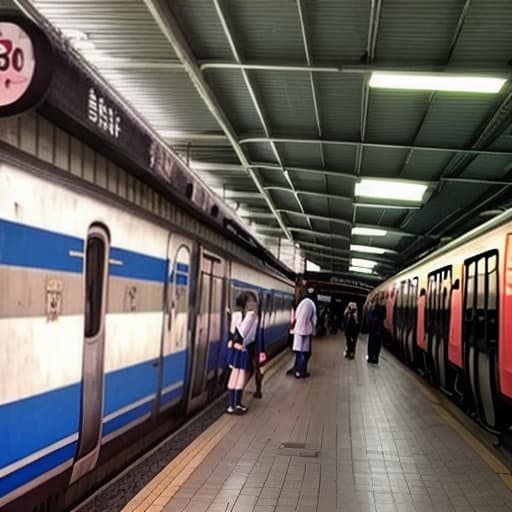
(244,326)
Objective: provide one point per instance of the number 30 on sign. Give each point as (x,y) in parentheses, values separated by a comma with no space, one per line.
(25,65)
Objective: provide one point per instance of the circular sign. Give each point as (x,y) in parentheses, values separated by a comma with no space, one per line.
(26,65)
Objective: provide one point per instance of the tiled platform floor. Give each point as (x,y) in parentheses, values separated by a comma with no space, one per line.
(382,445)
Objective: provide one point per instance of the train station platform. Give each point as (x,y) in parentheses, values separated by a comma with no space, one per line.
(352,437)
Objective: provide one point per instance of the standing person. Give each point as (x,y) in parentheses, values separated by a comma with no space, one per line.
(376,315)
(243,334)
(351,327)
(291,332)
(305,322)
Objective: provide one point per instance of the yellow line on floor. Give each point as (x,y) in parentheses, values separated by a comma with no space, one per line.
(487,456)
(159,491)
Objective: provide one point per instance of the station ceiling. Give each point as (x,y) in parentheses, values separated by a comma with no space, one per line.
(270,102)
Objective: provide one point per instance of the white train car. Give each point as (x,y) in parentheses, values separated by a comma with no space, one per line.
(112,326)
(450,316)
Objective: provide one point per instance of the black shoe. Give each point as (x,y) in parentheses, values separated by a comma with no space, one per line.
(257,394)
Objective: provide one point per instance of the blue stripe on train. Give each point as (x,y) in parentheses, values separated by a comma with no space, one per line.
(34,423)
(27,473)
(126,418)
(175,368)
(27,246)
(171,395)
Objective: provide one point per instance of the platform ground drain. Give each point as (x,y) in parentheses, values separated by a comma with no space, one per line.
(299,449)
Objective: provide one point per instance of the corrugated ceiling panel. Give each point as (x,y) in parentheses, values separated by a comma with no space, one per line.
(340,158)
(284,199)
(444,207)
(300,154)
(229,87)
(453,119)
(310,182)
(206,153)
(504,141)
(261,152)
(488,167)
(417,32)
(340,105)
(340,209)
(165,98)
(118,28)
(341,186)
(376,216)
(425,165)
(394,116)
(485,39)
(273,178)
(338,29)
(287,102)
(296,221)
(382,162)
(202,29)
(266,29)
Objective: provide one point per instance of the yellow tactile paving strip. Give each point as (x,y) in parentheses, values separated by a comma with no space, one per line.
(159,491)
(490,459)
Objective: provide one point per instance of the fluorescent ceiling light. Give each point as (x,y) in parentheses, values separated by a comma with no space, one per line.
(367,248)
(369,232)
(436,82)
(362,270)
(359,262)
(391,189)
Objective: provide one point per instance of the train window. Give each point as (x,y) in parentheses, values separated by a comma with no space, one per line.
(481,301)
(480,284)
(456,284)
(492,274)
(96,259)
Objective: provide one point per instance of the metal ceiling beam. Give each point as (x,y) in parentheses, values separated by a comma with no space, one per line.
(252,94)
(305,40)
(319,233)
(184,136)
(291,140)
(309,193)
(222,167)
(324,246)
(387,206)
(317,217)
(359,69)
(169,26)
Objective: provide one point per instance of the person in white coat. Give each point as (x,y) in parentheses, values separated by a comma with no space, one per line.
(305,323)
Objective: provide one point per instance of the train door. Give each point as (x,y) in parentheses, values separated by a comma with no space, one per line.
(176,331)
(439,324)
(209,327)
(411,319)
(480,334)
(96,267)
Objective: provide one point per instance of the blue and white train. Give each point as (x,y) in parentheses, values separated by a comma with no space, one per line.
(112,330)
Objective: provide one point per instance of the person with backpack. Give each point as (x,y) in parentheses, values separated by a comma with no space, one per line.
(351,327)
